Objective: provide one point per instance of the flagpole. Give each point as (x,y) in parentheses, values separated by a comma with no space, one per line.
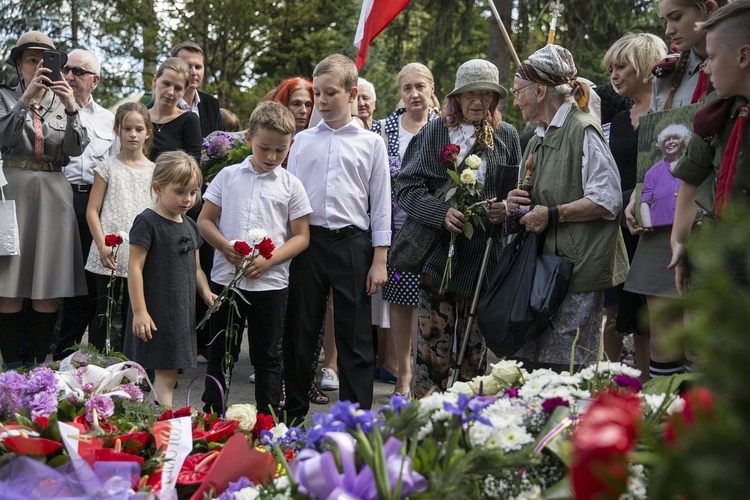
(505,33)
(557,9)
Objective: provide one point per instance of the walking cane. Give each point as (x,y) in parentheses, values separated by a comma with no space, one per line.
(505,181)
(472,311)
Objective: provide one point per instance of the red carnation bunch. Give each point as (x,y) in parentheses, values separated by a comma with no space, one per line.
(113,240)
(449,154)
(242,247)
(265,248)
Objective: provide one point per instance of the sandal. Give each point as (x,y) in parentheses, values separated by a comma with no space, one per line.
(316,396)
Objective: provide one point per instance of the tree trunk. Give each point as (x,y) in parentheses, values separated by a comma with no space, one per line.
(499,53)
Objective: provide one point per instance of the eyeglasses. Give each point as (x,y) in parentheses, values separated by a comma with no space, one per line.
(78,72)
(519,89)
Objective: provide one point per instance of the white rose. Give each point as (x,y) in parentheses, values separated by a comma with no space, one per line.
(486,383)
(507,371)
(468,177)
(473,162)
(256,235)
(124,235)
(246,414)
(461,388)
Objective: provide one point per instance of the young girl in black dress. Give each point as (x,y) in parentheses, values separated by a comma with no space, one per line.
(163,274)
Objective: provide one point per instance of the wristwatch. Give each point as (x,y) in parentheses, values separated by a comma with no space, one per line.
(72,113)
(560,214)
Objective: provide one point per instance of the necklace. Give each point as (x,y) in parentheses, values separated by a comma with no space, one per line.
(157,126)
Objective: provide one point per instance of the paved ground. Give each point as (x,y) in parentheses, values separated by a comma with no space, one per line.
(242,391)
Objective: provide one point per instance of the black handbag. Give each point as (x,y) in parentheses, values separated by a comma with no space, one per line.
(411,246)
(524,295)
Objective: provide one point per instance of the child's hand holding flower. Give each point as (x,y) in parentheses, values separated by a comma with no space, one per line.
(236,251)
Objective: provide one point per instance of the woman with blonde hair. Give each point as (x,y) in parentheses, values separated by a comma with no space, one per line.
(174,129)
(401,292)
(629,61)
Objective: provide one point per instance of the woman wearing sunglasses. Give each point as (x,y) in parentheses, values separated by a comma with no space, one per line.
(39,131)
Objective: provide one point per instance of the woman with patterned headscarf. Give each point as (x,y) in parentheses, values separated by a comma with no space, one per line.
(571,178)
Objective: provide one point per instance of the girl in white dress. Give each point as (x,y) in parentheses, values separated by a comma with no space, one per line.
(122,190)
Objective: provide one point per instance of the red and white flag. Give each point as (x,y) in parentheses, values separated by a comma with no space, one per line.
(375,16)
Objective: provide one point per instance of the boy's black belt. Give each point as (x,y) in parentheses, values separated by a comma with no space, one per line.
(342,232)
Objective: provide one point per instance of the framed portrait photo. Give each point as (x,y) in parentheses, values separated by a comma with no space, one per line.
(662,140)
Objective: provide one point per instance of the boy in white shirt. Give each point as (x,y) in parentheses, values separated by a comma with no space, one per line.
(255,194)
(344,169)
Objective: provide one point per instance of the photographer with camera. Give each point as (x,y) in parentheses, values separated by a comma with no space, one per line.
(39,131)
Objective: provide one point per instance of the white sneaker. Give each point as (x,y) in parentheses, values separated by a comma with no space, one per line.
(329,381)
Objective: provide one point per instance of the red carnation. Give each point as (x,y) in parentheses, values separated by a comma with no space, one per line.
(266,248)
(449,154)
(112,240)
(242,247)
(263,422)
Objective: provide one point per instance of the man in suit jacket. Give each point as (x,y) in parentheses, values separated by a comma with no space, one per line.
(200,103)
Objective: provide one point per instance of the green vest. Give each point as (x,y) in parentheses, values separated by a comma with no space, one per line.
(595,247)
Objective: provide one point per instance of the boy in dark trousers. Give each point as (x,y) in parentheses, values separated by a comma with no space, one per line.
(344,169)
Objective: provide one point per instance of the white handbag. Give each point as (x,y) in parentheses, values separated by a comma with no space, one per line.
(9,239)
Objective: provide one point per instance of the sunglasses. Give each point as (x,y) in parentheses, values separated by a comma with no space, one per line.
(78,72)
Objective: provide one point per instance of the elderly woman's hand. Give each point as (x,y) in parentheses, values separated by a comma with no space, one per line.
(497,210)
(453,221)
(537,220)
(517,198)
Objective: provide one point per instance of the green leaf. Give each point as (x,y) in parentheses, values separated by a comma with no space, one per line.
(453,175)
(450,193)
(468,229)
(666,385)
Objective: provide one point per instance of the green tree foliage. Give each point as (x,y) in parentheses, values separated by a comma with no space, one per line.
(253,44)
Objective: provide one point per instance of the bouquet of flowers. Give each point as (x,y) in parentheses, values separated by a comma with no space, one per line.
(221,149)
(261,247)
(462,193)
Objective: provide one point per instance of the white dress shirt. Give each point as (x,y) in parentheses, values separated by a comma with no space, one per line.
(345,173)
(599,175)
(249,200)
(103,143)
(183,105)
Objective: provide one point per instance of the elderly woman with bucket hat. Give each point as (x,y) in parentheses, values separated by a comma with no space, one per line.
(39,131)
(571,178)
(470,120)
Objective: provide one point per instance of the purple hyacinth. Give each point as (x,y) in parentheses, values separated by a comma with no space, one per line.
(218,147)
(103,405)
(12,390)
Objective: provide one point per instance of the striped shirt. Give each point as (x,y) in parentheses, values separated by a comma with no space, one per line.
(422,174)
